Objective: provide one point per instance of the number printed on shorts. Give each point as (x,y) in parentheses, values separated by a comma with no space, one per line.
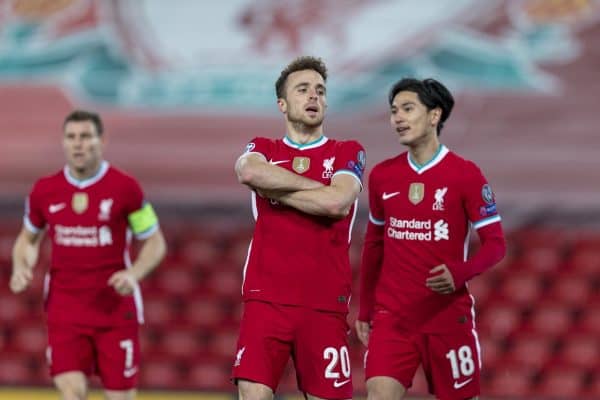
(461,362)
(129,369)
(342,357)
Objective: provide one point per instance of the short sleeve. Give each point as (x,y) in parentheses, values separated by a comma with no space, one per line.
(34,219)
(480,201)
(350,159)
(259,145)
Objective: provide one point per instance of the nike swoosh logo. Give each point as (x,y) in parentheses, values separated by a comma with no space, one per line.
(53,208)
(129,372)
(386,196)
(278,162)
(337,384)
(458,385)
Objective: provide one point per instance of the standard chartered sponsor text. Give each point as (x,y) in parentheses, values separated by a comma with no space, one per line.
(82,236)
(414,229)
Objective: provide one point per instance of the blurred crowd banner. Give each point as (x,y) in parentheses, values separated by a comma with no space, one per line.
(189,82)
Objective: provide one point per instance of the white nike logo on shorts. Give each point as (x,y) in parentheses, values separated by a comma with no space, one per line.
(129,372)
(337,384)
(386,196)
(458,385)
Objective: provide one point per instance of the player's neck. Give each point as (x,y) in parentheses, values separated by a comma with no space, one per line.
(302,134)
(82,174)
(421,153)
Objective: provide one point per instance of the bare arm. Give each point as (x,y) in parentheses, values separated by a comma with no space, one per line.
(24,257)
(151,254)
(254,171)
(332,201)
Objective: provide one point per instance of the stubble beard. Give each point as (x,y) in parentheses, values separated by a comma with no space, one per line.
(302,125)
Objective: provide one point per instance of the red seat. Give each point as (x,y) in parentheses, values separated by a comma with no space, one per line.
(227,283)
(571,289)
(159,310)
(530,350)
(491,351)
(176,280)
(580,350)
(30,337)
(13,308)
(542,259)
(561,382)
(550,319)
(224,342)
(203,311)
(210,375)
(182,342)
(589,321)
(15,369)
(510,380)
(160,373)
(521,288)
(499,319)
(586,260)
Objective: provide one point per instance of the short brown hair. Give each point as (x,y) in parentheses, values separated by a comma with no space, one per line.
(299,64)
(82,115)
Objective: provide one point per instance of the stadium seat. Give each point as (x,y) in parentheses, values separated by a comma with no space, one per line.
(585,260)
(521,288)
(14,308)
(510,380)
(17,368)
(561,382)
(499,320)
(176,280)
(550,319)
(226,283)
(161,373)
(570,288)
(30,337)
(492,351)
(530,350)
(159,309)
(203,310)
(182,342)
(589,320)
(580,350)
(211,375)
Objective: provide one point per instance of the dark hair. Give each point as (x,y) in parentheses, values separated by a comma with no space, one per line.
(299,64)
(82,115)
(431,93)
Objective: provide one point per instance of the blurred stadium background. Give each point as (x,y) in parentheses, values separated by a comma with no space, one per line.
(183,85)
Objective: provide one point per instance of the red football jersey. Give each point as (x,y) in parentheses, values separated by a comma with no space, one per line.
(426,212)
(87,223)
(296,258)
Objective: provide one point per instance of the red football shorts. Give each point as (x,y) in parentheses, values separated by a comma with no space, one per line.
(316,341)
(451,361)
(111,353)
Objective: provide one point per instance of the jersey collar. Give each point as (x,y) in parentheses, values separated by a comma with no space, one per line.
(435,160)
(310,145)
(82,184)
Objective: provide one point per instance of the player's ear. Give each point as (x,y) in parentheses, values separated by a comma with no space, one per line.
(436,115)
(282,105)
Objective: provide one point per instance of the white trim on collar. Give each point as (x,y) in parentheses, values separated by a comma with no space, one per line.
(82,184)
(437,158)
(311,145)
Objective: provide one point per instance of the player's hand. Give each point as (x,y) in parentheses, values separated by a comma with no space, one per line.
(442,281)
(362,331)
(123,282)
(20,279)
